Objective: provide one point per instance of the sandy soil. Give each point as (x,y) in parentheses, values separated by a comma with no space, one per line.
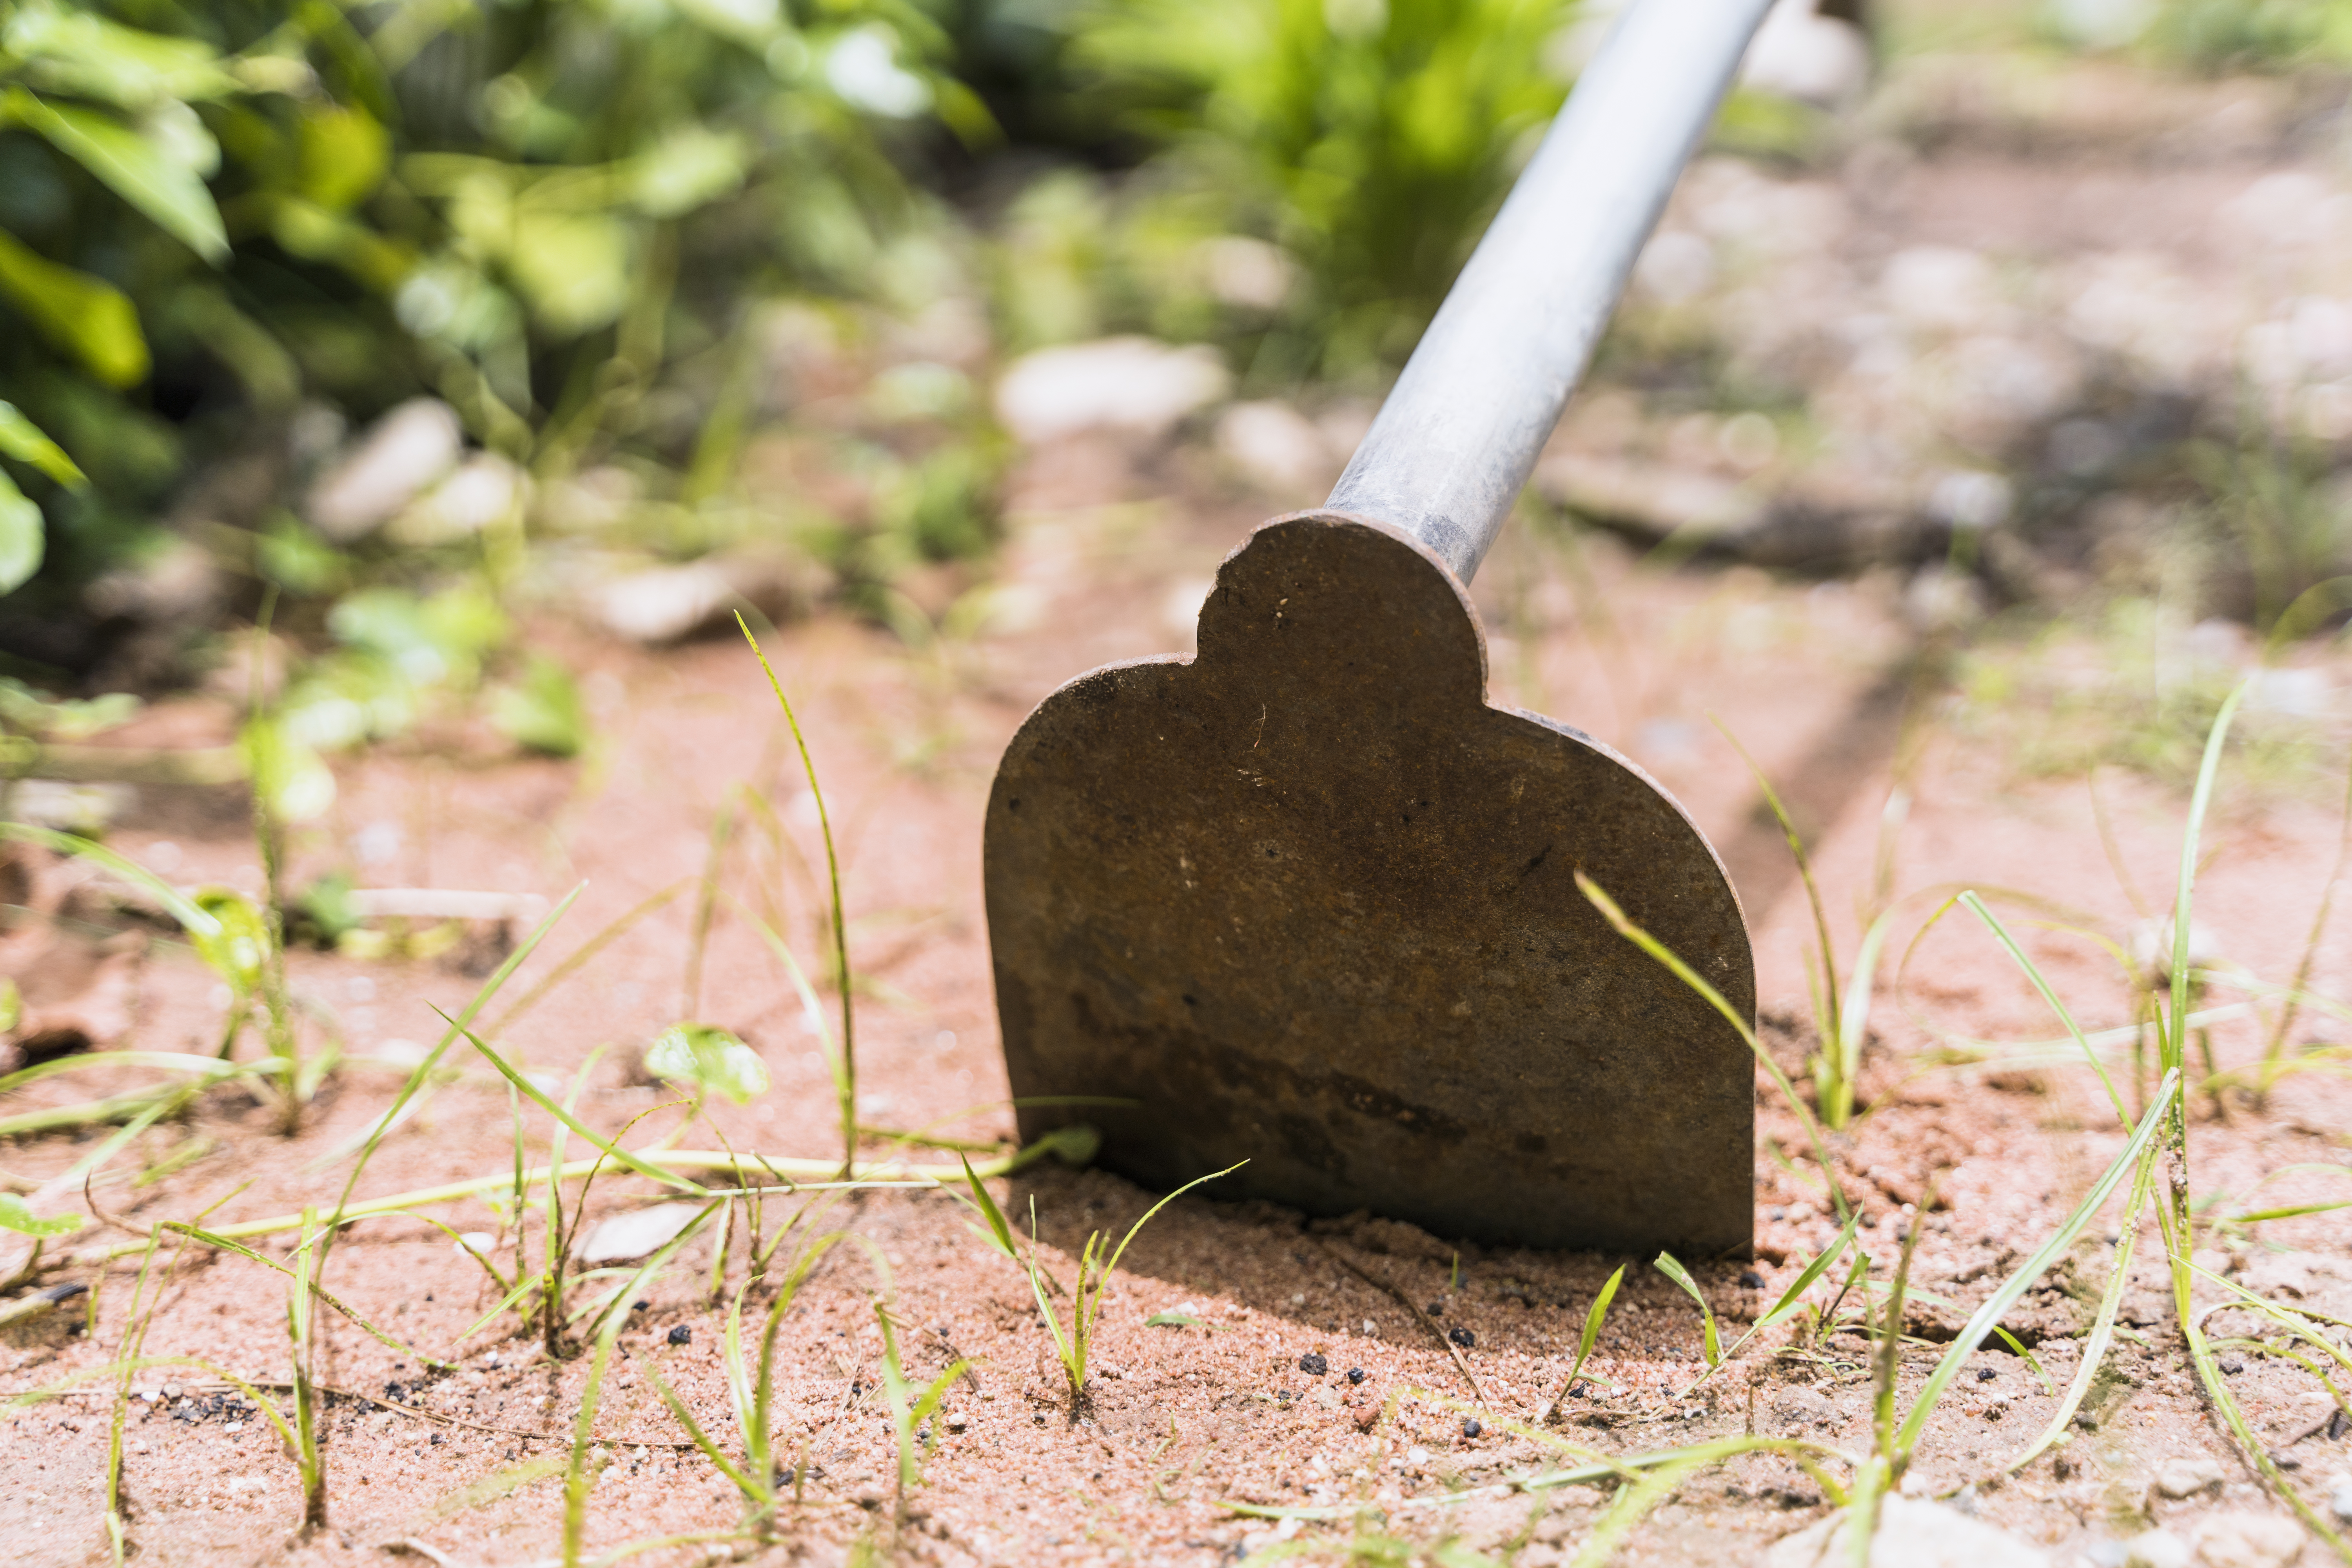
(1181,1420)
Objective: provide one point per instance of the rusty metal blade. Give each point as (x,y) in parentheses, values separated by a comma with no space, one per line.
(1310,899)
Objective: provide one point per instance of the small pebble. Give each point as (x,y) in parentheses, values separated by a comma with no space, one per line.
(1314,1364)
(1986,1374)
(1437,1309)
(1357,1374)
(2233,1365)
(2186,1476)
(681,1335)
(1470,1428)
(1461,1337)
(1750,1279)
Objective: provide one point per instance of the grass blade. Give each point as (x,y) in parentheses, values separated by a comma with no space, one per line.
(576,1480)
(183,909)
(1593,1317)
(539,1097)
(999,1233)
(1976,906)
(1980,1324)
(848,1090)
(416,1078)
(1853,1014)
(1623,925)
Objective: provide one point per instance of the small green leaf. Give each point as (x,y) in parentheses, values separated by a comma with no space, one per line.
(239,947)
(542,711)
(141,173)
(85,317)
(345,153)
(1673,1269)
(292,778)
(16,1215)
(22,542)
(1790,1297)
(708,1059)
(74,51)
(1000,1235)
(1592,1321)
(576,269)
(21,439)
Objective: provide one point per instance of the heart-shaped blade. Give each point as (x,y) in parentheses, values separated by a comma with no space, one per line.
(1307,900)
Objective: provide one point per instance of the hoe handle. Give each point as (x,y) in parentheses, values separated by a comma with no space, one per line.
(1459,434)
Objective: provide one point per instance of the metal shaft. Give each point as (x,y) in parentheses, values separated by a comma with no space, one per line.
(1459,434)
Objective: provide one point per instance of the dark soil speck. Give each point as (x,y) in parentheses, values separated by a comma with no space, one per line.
(681,1335)
(1313,1364)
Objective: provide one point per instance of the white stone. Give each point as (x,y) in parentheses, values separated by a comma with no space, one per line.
(2247,1541)
(1674,265)
(2186,1475)
(1179,609)
(84,808)
(405,451)
(1938,286)
(1278,449)
(1247,272)
(1971,498)
(2292,693)
(2101,24)
(2340,1499)
(487,491)
(1799,54)
(2157,1549)
(1134,385)
(625,1237)
(2151,947)
(662,604)
(1910,1535)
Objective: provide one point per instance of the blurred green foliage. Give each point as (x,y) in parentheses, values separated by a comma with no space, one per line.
(551,212)
(1369,139)
(2222,35)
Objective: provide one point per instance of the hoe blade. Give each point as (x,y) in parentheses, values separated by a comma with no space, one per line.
(1308,901)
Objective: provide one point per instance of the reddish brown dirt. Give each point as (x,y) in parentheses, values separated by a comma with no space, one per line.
(1180,1420)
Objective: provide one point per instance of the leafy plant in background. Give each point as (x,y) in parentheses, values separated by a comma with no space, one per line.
(555,217)
(1371,141)
(2221,34)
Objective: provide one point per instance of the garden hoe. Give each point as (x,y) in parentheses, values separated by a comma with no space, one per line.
(1306,899)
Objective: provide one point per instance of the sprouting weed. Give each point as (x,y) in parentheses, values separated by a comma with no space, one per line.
(1072,1346)
(910,1409)
(579,1477)
(1841,1021)
(301,1334)
(1593,1317)
(750,1387)
(845,1066)
(1880,1468)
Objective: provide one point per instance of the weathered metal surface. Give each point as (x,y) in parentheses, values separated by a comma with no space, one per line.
(1311,901)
